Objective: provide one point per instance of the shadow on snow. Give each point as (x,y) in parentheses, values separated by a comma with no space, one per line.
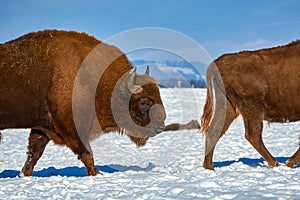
(80,171)
(252,162)
(76,171)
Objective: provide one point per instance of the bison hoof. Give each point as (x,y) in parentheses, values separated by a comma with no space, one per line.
(22,174)
(210,167)
(93,172)
(25,172)
(290,163)
(274,164)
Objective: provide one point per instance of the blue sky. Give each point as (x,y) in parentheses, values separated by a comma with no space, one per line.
(219,26)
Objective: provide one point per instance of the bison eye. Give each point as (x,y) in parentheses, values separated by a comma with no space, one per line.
(145,103)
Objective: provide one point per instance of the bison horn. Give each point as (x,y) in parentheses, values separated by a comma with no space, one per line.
(134,89)
(134,70)
(147,70)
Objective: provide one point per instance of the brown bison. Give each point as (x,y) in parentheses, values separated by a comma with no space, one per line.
(259,85)
(38,73)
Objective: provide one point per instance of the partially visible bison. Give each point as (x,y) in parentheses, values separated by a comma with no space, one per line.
(37,75)
(193,124)
(259,85)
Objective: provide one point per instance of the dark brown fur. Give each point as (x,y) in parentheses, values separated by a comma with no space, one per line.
(37,75)
(259,85)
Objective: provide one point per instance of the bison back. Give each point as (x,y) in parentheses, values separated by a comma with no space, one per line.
(268,79)
(37,73)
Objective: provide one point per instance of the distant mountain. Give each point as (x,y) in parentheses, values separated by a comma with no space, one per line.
(174,73)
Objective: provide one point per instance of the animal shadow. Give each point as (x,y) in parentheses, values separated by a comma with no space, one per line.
(76,171)
(252,162)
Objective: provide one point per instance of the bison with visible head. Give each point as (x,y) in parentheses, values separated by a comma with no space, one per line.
(38,73)
(259,85)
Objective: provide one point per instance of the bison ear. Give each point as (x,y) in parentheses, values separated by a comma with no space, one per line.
(147,71)
(132,87)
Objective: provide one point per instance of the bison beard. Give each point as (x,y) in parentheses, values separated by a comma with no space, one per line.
(37,75)
(259,85)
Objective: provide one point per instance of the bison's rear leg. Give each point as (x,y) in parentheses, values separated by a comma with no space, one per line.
(254,127)
(37,143)
(294,159)
(213,136)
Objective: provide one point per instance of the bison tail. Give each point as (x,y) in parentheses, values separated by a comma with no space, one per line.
(208,108)
(215,99)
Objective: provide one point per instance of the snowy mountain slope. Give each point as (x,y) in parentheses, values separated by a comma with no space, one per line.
(168,167)
(169,72)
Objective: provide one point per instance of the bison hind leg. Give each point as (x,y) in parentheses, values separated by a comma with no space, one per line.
(212,137)
(37,143)
(293,161)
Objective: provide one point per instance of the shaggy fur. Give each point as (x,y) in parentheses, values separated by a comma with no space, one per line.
(37,76)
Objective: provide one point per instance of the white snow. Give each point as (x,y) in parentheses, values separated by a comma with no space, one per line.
(168,167)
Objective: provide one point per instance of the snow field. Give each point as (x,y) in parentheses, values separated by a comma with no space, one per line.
(168,167)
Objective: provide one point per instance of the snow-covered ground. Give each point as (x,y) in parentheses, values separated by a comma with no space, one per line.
(168,167)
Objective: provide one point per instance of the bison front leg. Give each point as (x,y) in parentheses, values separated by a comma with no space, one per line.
(37,143)
(294,159)
(254,127)
(76,145)
(88,161)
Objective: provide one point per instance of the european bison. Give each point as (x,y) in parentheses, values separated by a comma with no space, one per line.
(259,85)
(38,72)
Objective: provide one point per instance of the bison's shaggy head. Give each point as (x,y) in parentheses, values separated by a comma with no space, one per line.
(137,107)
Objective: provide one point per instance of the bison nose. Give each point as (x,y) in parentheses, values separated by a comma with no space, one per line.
(159,128)
(157,117)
